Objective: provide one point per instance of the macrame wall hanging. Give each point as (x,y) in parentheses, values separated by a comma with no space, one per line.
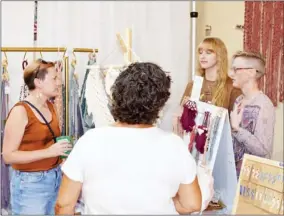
(264,33)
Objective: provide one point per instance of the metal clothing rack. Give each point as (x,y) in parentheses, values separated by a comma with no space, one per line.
(33,49)
(87,50)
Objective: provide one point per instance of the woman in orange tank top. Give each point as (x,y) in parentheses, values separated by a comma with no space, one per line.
(30,146)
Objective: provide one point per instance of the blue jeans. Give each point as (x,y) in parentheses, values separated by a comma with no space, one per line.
(34,192)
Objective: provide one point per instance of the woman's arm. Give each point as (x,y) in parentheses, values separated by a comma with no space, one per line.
(69,193)
(14,131)
(179,208)
(188,198)
(73,177)
(260,142)
(235,93)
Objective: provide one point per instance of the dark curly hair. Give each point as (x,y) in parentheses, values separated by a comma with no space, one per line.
(139,93)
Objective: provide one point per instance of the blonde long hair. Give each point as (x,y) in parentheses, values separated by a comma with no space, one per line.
(218,47)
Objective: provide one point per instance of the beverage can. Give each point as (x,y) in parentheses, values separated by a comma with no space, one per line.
(67,139)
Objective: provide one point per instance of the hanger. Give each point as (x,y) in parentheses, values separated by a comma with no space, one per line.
(6,58)
(5,75)
(59,61)
(74,60)
(5,61)
(92,56)
(25,62)
(73,64)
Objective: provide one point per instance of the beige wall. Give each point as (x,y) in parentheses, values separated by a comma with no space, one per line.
(223,17)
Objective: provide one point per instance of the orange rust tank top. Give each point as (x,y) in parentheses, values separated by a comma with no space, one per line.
(37,136)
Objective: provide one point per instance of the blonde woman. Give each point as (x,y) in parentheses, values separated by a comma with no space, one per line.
(217,88)
(212,65)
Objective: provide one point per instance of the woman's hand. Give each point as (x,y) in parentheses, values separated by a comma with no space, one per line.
(59,148)
(236,117)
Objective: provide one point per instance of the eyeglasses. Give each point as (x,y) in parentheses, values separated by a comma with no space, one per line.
(243,68)
(41,61)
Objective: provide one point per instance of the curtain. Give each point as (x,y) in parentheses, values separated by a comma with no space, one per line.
(264,33)
(160,34)
(17,25)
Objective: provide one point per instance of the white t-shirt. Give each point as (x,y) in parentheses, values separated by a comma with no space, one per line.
(130,170)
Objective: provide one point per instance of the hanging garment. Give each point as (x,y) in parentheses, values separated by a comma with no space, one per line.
(5,180)
(63,116)
(24,92)
(59,100)
(97,97)
(86,118)
(74,115)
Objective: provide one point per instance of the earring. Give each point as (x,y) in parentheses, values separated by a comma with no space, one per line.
(39,95)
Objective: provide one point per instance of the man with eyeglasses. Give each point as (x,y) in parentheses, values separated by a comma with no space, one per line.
(253,116)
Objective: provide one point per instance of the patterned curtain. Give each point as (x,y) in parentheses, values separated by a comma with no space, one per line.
(264,33)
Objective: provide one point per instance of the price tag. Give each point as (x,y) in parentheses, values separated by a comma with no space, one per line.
(7,90)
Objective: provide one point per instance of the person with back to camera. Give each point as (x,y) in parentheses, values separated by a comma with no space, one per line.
(253,116)
(132,166)
(29,145)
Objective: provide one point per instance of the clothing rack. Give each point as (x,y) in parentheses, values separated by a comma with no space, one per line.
(33,49)
(88,50)
(42,49)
